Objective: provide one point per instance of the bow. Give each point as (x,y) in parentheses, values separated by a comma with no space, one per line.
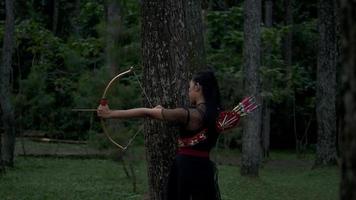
(104,102)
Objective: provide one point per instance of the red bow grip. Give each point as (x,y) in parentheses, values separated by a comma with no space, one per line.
(103,102)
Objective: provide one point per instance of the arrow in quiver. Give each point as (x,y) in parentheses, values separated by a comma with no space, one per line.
(226,120)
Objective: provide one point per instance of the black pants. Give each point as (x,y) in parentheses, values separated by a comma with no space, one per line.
(192,178)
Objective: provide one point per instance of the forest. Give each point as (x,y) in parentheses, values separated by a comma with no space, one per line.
(60,59)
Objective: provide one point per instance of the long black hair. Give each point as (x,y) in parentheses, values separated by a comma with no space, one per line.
(210,88)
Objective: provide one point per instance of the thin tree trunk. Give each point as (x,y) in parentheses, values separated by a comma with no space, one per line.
(266,130)
(326,84)
(266,112)
(2,165)
(8,116)
(348,144)
(75,24)
(113,29)
(55,16)
(195,35)
(251,139)
(168,58)
(288,37)
(268,13)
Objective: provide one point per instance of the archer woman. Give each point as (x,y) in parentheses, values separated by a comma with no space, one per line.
(193,176)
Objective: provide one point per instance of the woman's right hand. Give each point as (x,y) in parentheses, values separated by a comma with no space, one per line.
(104,111)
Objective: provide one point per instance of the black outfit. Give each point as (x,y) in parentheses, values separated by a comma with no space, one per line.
(193,176)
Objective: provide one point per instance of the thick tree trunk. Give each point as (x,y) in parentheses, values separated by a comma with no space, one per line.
(326,84)
(348,145)
(8,118)
(113,30)
(251,139)
(168,55)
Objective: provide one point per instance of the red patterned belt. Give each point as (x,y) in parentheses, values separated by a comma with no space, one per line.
(193,152)
(191,141)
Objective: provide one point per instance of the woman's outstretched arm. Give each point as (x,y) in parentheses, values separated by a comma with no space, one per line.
(177,115)
(154,113)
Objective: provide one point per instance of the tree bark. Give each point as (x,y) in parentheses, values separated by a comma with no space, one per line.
(326,84)
(251,139)
(169,54)
(8,116)
(348,138)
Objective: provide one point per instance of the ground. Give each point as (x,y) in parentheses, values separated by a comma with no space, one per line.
(84,176)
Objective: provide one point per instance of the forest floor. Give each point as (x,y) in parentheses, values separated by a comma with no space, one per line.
(64,172)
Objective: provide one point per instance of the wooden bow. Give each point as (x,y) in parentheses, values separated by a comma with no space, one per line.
(104,102)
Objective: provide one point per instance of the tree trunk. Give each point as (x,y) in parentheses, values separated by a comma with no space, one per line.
(8,118)
(2,165)
(266,112)
(348,144)
(55,16)
(75,24)
(251,139)
(195,28)
(326,84)
(113,30)
(268,13)
(168,55)
(288,37)
(266,129)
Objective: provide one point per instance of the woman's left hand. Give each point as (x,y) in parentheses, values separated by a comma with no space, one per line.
(104,111)
(158,107)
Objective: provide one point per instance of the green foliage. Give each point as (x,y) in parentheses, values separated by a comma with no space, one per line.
(60,72)
(224,52)
(55,72)
(225,37)
(91,14)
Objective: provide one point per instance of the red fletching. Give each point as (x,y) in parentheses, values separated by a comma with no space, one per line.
(227,120)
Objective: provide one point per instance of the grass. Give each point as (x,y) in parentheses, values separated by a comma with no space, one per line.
(276,183)
(282,178)
(47,178)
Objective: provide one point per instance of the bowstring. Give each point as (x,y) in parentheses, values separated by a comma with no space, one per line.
(143,90)
(149,102)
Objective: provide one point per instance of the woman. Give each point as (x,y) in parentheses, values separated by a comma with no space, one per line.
(193,175)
